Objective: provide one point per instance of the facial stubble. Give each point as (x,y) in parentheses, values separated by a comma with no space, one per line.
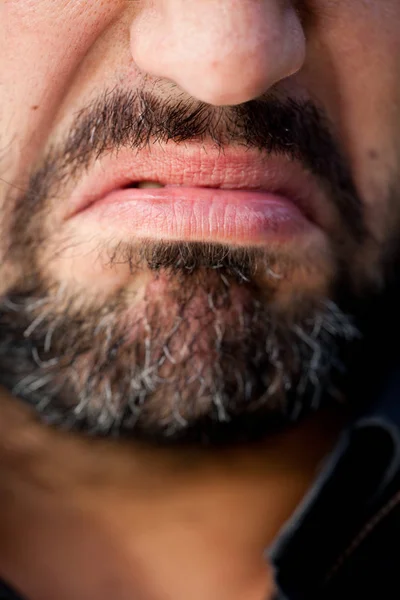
(211,357)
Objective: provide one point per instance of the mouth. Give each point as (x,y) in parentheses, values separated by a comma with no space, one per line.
(171,193)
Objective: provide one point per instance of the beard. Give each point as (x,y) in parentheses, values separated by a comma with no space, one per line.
(204,355)
(215,343)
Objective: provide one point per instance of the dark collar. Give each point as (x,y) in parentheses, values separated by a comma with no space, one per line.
(352,483)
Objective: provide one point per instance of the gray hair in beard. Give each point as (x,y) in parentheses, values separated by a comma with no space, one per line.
(259,371)
(219,373)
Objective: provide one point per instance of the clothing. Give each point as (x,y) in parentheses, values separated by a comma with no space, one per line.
(344,539)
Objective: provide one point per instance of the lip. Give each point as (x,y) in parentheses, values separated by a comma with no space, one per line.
(234,195)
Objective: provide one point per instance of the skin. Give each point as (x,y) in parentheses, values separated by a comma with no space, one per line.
(95,516)
(55,56)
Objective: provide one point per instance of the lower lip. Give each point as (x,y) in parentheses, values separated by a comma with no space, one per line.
(198,214)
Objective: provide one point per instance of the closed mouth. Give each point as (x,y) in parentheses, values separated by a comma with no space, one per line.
(194,194)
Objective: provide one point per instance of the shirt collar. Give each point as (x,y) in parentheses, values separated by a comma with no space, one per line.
(352,481)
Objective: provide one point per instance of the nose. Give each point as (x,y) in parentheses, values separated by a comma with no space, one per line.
(223,52)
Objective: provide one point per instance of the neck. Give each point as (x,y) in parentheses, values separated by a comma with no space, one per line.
(82,517)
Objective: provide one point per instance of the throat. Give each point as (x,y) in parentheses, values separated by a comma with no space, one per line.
(136,519)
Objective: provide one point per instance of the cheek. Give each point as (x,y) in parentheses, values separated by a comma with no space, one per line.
(42,43)
(354,72)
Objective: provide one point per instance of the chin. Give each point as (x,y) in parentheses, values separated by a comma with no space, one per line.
(205,356)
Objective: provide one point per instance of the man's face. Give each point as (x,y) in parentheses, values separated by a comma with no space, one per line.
(195,199)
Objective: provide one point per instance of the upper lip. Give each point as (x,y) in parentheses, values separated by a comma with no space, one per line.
(198,166)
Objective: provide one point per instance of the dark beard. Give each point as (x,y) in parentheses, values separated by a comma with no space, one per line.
(212,357)
(210,361)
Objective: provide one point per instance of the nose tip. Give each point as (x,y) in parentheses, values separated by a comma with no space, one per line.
(223,53)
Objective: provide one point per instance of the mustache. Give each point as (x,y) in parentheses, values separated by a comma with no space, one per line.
(120,119)
(136,120)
